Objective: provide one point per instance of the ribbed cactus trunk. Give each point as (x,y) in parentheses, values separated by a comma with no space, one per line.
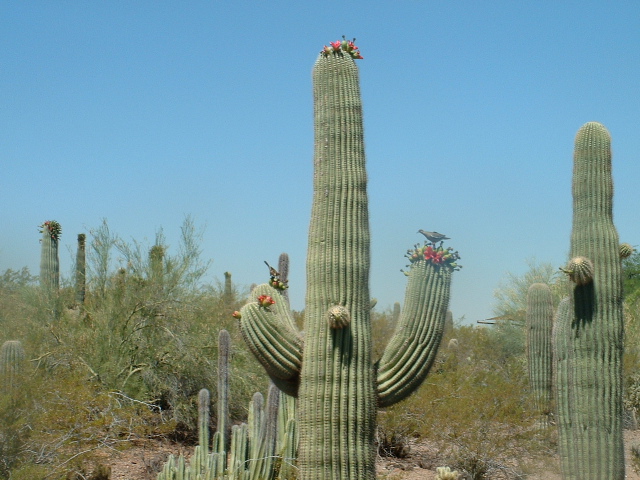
(331,373)
(12,358)
(539,327)
(337,379)
(49,263)
(81,281)
(592,398)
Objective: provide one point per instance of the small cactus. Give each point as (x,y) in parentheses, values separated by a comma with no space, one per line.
(445,473)
(12,360)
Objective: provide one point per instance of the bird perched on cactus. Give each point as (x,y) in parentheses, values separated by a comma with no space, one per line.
(433,237)
(272,271)
(275,280)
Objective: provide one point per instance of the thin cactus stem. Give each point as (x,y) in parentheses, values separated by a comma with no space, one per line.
(80,279)
(224,353)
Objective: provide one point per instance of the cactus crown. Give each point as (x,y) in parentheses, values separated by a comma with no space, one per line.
(342,46)
(52,227)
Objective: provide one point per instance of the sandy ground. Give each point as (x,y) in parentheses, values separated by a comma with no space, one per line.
(143,461)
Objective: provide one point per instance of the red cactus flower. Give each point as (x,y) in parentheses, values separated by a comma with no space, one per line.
(336,45)
(236,315)
(265,301)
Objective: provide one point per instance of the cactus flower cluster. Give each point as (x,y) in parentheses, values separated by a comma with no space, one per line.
(438,256)
(52,227)
(344,45)
(275,282)
(265,301)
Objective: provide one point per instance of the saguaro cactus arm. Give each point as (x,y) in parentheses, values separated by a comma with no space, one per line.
(269,331)
(409,355)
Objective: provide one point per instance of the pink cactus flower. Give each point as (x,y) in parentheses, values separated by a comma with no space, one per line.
(265,301)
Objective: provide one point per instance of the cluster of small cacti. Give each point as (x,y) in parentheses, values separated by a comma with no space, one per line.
(264,448)
(445,473)
(331,370)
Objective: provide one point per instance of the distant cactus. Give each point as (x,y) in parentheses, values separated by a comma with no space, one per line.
(227,294)
(539,326)
(448,323)
(156,261)
(49,258)
(589,334)
(396,313)
(81,280)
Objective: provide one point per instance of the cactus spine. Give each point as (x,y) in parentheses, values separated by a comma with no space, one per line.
(81,270)
(338,390)
(590,404)
(539,354)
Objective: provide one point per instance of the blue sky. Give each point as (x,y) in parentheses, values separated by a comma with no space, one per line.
(144,112)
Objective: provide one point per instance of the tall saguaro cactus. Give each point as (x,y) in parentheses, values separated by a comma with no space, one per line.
(590,400)
(49,258)
(539,353)
(338,387)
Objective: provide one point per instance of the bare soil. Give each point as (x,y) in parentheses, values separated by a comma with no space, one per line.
(144,460)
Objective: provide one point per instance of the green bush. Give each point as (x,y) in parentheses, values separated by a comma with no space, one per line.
(128,365)
(475,406)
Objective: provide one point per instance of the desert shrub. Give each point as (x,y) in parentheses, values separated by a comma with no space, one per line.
(128,365)
(474,406)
